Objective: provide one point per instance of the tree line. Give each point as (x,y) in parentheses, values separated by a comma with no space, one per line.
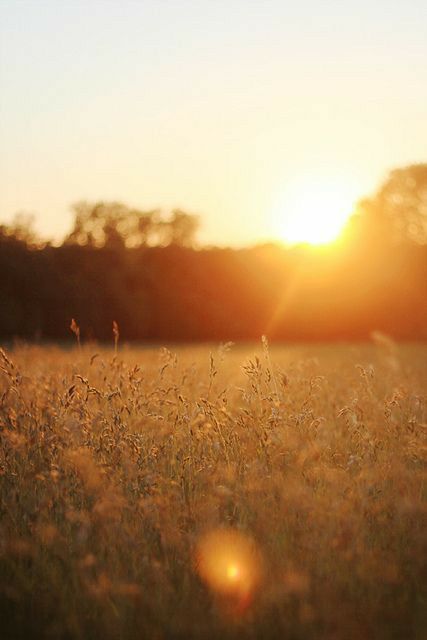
(143,271)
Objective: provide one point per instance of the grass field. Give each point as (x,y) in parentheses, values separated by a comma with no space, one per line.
(213,492)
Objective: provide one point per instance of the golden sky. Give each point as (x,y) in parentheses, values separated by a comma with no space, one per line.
(243,112)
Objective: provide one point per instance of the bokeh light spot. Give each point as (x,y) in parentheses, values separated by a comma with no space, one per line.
(229,563)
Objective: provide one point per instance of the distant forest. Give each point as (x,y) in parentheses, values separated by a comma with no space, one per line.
(145,272)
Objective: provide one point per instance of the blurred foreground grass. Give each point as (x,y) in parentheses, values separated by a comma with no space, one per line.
(213,492)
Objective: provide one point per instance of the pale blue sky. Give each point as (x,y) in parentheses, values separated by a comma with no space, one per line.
(217,106)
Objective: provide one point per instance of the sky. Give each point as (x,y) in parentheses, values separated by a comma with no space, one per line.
(229,109)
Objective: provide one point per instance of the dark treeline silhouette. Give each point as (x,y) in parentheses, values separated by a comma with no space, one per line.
(143,271)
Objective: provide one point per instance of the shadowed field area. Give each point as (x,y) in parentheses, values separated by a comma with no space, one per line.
(213,492)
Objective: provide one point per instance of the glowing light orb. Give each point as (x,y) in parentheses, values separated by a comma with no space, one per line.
(229,564)
(233,572)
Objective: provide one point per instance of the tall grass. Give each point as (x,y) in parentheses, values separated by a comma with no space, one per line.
(301,470)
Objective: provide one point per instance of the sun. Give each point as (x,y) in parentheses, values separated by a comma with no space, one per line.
(313,213)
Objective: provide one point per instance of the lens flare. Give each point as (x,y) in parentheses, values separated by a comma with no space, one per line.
(229,563)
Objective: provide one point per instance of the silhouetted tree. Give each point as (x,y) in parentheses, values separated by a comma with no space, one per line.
(139,269)
(398,211)
(114,225)
(180,229)
(403,200)
(21,229)
(110,224)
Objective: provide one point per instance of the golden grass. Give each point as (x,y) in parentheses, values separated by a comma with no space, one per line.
(116,470)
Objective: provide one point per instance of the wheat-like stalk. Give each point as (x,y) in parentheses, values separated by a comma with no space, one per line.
(116,334)
(76,330)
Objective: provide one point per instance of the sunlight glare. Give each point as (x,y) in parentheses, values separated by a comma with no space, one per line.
(314,212)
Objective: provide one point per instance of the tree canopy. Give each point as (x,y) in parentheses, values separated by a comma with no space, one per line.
(117,226)
(398,210)
(139,269)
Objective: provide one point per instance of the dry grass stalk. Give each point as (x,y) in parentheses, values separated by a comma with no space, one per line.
(76,330)
(115,475)
(116,334)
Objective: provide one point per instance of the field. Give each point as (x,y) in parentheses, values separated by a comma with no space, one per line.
(213,492)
